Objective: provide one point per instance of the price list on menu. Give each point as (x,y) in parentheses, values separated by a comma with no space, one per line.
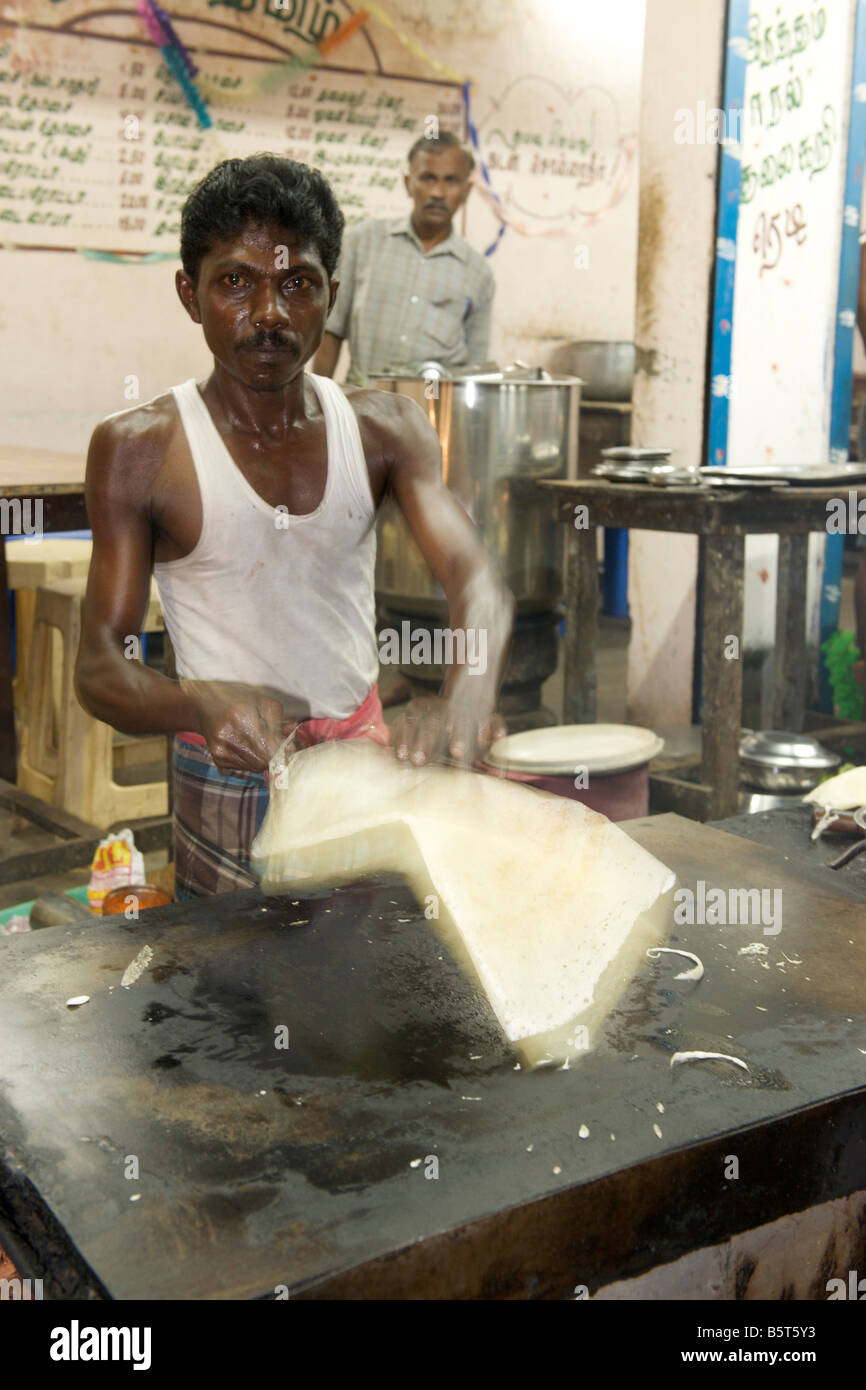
(99,148)
(792,133)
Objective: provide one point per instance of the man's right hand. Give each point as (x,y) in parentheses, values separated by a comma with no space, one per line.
(243,727)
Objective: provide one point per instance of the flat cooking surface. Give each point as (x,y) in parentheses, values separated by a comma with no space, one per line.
(260,1166)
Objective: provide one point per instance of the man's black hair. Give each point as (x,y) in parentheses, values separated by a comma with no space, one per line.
(439,144)
(266,190)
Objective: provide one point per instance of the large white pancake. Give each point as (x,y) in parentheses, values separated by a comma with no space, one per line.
(542,899)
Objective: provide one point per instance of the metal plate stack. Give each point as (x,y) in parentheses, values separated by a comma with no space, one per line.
(625,464)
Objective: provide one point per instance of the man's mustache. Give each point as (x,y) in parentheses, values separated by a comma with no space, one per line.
(266,340)
(434,203)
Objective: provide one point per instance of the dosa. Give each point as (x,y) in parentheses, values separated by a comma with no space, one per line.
(542,900)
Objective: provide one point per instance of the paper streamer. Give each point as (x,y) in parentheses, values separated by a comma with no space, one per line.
(486,186)
(128,258)
(155,30)
(166,24)
(190,91)
(412,47)
(175,56)
(294,65)
(274,77)
(345,31)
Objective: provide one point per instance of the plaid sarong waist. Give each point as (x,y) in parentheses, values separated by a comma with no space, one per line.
(218,814)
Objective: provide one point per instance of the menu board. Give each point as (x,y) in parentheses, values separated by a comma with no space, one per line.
(793,149)
(790,134)
(99,148)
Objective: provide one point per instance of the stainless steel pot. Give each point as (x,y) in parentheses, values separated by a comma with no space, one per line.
(781,762)
(500,432)
(606,368)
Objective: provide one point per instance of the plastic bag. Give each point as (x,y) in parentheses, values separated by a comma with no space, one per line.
(116,863)
(16,923)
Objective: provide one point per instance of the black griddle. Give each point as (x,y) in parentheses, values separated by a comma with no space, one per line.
(309,1170)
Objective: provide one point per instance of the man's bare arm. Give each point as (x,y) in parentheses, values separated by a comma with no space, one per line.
(478,600)
(325,360)
(113,686)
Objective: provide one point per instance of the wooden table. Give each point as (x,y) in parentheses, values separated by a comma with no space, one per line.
(722,518)
(56,481)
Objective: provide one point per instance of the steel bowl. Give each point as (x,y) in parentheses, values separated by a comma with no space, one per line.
(606,368)
(775,761)
(751,802)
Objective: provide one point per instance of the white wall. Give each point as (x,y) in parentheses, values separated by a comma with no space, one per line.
(577,65)
(74,329)
(683,53)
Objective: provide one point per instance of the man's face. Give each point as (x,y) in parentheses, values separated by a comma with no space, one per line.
(438,185)
(262,298)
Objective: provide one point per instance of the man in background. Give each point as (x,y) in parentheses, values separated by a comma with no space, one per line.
(411,288)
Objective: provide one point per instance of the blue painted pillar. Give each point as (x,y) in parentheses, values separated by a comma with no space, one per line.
(843,346)
(614,598)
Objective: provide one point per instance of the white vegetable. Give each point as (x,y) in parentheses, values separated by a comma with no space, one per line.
(827,819)
(707,1057)
(136,967)
(696,974)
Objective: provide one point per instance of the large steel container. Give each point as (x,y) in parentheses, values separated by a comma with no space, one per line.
(500,433)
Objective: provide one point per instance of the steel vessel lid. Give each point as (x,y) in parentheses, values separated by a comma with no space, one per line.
(776,748)
(566,748)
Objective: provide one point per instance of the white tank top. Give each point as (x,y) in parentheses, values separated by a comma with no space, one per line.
(271,599)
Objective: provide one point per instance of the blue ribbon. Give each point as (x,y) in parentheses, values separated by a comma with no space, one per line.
(175,62)
(473,138)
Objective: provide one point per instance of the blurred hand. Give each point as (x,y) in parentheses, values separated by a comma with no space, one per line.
(434,727)
(243,727)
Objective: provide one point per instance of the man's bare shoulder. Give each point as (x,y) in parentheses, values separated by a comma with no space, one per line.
(134,442)
(388,417)
(152,420)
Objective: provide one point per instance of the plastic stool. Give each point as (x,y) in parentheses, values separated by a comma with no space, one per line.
(30,566)
(66,756)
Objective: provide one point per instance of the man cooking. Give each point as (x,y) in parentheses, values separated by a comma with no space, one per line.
(252,499)
(411,289)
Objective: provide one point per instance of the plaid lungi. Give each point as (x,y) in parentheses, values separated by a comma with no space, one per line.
(218,814)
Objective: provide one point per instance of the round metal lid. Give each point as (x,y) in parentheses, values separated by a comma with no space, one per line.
(566,748)
(775,748)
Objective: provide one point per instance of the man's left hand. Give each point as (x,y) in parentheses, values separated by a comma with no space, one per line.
(434,727)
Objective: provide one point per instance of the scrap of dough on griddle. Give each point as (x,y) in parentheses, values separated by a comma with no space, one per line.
(844,792)
(544,901)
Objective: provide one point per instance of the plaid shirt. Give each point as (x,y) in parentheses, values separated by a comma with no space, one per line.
(399,305)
